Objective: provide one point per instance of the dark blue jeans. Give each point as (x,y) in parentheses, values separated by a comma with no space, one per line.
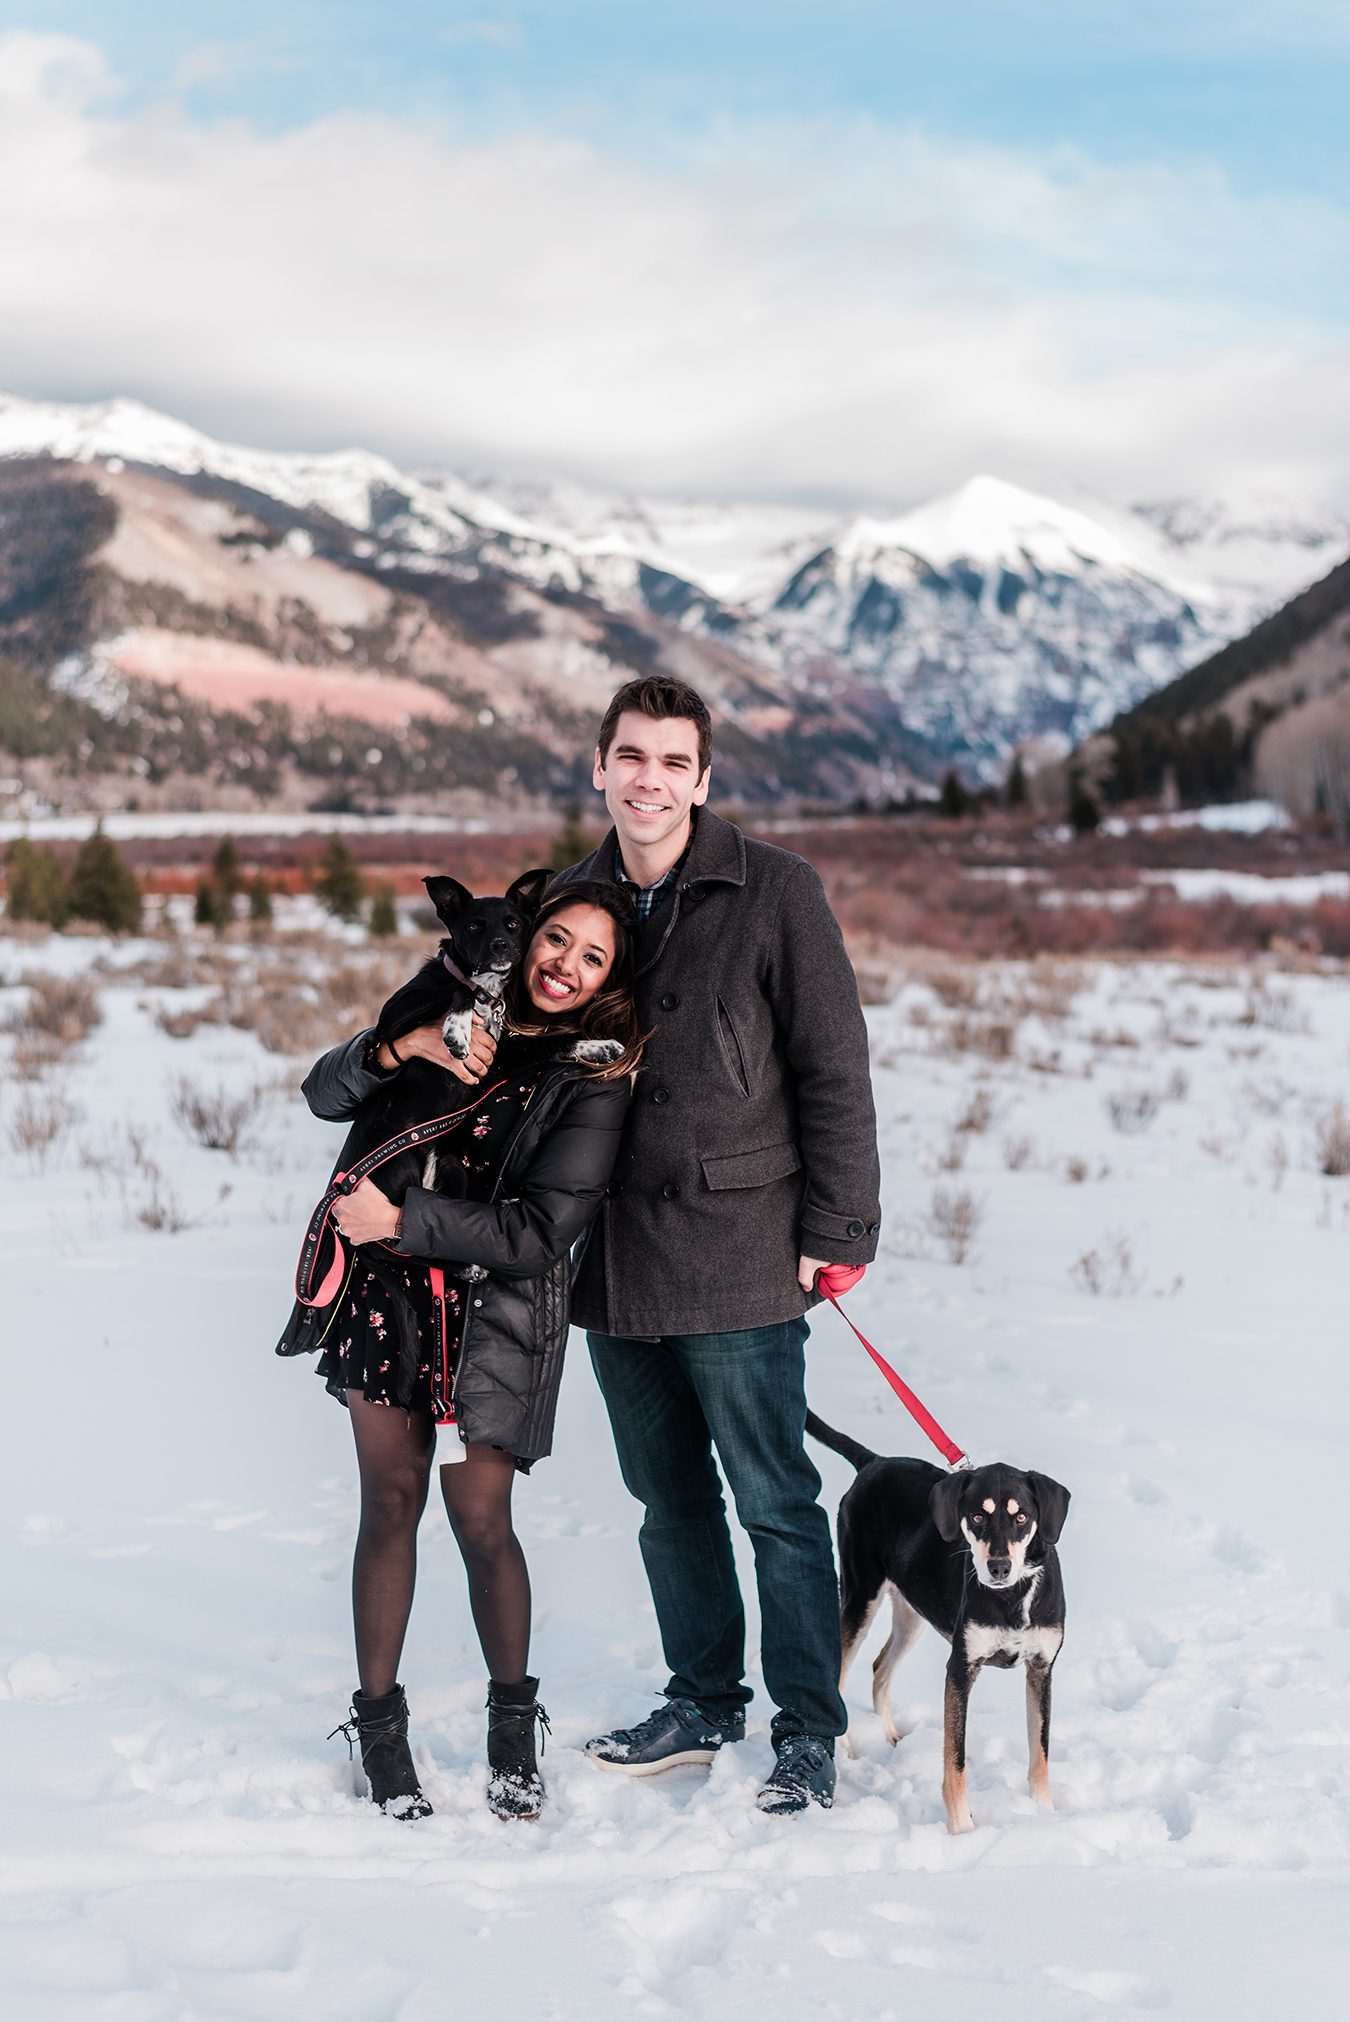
(670,1403)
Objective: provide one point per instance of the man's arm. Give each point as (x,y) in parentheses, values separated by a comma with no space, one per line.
(815,997)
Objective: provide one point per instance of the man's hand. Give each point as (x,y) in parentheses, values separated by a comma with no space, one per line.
(427,1043)
(806,1272)
(365,1215)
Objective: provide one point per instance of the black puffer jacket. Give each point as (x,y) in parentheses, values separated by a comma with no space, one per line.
(548,1186)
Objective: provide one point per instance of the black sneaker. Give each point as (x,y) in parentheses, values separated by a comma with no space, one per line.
(802,1775)
(677,1732)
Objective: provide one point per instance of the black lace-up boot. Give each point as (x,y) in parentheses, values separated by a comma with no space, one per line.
(381,1727)
(515,1787)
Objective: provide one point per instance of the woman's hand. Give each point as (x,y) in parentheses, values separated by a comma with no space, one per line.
(426,1042)
(365,1215)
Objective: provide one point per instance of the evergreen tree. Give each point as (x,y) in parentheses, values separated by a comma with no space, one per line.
(953,801)
(383,912)
(338,882)
(1084,813)
(35,885)
(1015,792)
(225,867)
(260,901)
(103,886)
(212,906)
(573,841)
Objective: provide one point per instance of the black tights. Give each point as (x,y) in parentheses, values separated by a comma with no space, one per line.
(394,1451)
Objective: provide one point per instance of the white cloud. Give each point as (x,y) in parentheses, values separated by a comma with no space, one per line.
(793,310)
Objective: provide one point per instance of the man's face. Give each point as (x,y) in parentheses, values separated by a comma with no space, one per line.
(650,778)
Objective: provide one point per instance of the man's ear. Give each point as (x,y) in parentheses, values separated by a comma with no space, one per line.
(449,897)
(701,790)
(528,890)
(944,1506)
(1052,1506)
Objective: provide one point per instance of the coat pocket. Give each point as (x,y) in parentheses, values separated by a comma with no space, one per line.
(751,1168)
(731,1048)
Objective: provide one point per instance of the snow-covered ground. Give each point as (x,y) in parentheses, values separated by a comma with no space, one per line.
(180,1840)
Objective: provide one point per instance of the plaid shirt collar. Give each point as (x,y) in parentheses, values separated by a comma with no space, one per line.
(648,897)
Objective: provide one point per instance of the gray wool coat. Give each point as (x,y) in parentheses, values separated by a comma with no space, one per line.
(751,1138)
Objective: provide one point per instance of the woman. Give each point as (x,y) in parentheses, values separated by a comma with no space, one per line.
(473,1378)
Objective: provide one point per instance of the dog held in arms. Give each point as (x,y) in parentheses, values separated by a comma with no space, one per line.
(998,1599)
(484,944)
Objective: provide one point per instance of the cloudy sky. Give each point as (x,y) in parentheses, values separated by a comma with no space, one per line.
(844,251)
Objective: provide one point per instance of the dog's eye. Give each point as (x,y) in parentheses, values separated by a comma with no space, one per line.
(977,1520)
(477,926)
(513,926)
(1021,1516)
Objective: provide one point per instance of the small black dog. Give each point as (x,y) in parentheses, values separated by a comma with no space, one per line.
(484,942)
(998,1600)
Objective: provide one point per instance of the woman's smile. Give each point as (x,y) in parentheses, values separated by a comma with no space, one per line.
(569,957)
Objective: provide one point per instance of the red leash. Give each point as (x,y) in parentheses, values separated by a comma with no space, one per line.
(948,1448)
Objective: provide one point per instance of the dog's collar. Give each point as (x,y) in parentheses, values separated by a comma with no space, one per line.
(480,995)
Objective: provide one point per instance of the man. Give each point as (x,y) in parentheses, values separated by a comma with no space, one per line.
(749,1161)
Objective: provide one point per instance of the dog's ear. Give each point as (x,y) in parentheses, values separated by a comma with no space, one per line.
(944,1506)
(1052,1505)
(449,897)
(527,892)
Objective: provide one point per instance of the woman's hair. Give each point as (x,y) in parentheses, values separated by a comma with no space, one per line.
(612,1012)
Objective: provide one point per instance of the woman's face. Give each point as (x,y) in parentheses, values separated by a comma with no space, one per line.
(569,958)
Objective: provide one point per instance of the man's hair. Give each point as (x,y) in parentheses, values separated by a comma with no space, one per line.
(660,696)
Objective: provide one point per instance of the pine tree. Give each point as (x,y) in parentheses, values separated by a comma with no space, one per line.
(573,841)
(103,886)
(35,885)
(1084,813)
(953,801)
(383,912)
(1015,792)
(338,882)
(260,901)
(225,867)
(212,906)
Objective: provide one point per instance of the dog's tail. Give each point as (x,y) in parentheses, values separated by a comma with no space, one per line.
(839,1442)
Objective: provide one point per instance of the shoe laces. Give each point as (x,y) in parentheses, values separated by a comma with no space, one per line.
(348,1729)
(801,1750)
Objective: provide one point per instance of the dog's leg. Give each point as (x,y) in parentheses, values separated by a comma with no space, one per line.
(456,1031)
(961,1675)
(905,1628)
(1038,1732)
(855,1619)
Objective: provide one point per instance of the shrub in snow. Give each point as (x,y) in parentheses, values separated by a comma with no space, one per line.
(1132,1110)
(955,1217)
(38,1125)
(1333,1143)
(1018,1153)
(215,1118)
(1109,1271)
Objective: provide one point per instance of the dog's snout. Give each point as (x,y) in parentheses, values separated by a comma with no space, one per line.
(999,1569)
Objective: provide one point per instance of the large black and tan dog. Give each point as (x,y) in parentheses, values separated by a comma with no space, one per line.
(997,1599)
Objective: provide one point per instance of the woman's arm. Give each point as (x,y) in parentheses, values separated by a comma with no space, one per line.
(558,1197)
(341,1079)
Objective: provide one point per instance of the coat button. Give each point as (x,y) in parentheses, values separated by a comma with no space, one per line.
(856,1229)
(660,1095)
(670,1192)
(477,1302)
(670,1002)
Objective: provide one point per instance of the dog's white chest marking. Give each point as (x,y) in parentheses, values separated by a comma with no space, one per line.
(1024,1646)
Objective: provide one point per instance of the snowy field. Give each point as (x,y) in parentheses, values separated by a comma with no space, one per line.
(1150,1307)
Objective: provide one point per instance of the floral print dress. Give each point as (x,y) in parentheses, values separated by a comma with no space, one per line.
(368,1338)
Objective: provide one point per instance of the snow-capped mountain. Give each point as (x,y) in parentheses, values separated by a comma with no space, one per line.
(949,631)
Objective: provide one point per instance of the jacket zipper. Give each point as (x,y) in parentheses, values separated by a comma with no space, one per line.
(474,1274)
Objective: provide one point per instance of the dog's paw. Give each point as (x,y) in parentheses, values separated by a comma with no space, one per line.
(958,1822)
(456,1032)
(597,1051)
